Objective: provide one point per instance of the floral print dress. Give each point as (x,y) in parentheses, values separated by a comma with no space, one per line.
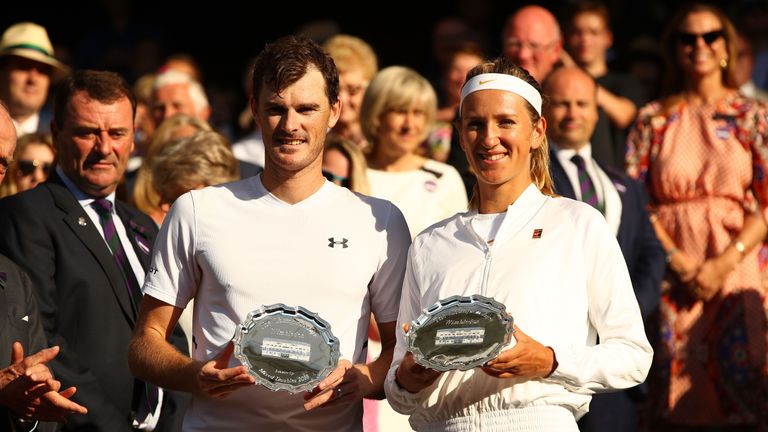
(705,167)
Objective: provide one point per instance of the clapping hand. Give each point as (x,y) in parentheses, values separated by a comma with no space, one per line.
(28,389)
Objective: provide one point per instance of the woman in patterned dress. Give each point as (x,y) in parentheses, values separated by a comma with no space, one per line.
(702,152)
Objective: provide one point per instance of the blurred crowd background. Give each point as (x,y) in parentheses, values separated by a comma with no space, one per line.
(133,37)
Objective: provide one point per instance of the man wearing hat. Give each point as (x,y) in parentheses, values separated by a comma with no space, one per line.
(27,66)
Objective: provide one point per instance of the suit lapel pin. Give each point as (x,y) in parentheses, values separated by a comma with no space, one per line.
(142,244)
(537,233)
(81,221)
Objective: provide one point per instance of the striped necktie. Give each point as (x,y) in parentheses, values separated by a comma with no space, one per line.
(104,209)
(586,185)
(146,395)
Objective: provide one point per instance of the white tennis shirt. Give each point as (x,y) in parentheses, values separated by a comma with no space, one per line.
(236,247)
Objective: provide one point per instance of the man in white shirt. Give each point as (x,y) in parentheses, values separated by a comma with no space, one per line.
(571,116)
(27,67)
(285,236)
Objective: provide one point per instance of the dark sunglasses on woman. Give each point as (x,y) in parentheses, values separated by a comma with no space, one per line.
(333,178)
(689,39)
(27,167)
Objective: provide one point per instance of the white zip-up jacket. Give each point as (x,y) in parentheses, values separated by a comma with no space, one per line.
(563,287)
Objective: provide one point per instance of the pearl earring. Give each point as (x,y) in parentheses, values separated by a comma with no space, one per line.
(724,62)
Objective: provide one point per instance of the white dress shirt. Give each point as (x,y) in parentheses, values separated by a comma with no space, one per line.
(606,190)
(28,126)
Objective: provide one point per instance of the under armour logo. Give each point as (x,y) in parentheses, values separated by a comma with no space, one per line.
(332,242)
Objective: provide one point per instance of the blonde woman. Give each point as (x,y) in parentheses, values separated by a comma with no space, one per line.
(190,163)
(553,262)
(356,62)
(144,196)
(398,109)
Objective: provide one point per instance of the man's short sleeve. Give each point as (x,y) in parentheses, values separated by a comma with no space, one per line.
(386,286)
(173,275)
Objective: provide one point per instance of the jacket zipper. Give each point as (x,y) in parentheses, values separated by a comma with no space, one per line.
(486,248)
(486,271)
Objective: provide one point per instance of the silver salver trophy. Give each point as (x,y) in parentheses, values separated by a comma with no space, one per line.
(286,348)
(459,333)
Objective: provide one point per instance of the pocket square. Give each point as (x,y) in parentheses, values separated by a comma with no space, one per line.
(26,318)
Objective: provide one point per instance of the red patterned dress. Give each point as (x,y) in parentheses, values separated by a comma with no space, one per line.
(704,167)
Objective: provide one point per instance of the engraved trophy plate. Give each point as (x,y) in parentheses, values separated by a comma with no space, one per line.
(286,348)
(459,333)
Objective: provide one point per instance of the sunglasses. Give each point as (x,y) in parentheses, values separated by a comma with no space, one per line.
(690,39)
(27,167)
(339,180)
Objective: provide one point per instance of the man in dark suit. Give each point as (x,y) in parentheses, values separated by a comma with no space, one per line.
(28,392)
(571,117)
(87,253)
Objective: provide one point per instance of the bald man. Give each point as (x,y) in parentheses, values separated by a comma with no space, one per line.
(571,118)
(532,40)
(21,332)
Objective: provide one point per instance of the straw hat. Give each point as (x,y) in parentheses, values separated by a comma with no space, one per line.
(30,41)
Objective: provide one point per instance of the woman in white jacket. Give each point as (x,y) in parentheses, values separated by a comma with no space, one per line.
(552,261)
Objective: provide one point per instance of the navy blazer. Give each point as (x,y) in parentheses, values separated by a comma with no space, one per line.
(83,299)
(646,262)
(642,251)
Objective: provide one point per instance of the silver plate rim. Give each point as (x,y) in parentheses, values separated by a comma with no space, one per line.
(267,311)
(452,302)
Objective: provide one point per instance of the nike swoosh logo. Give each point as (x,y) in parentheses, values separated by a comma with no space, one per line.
(481,82)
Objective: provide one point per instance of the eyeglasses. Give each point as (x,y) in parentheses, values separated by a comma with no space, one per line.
(690,39)
(339,180)
(27,167)
(536,48)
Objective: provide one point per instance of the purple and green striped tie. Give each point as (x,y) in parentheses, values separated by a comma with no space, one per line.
(586,185)
(149,393)
(104,208)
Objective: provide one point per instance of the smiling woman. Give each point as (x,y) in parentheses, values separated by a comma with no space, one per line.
(702,153)
(397,110)
(504,248)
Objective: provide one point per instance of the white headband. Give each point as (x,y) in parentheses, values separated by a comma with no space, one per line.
(497,81)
